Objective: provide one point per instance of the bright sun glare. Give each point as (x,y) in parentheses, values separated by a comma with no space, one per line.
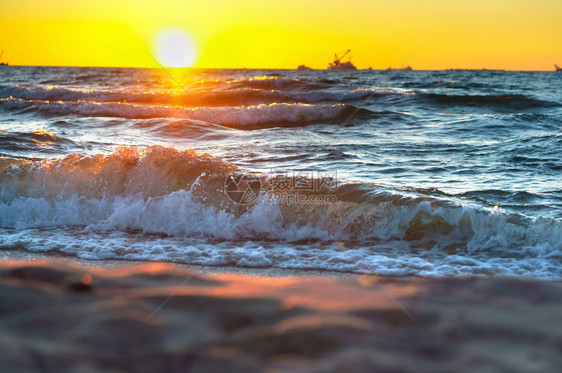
(174,48)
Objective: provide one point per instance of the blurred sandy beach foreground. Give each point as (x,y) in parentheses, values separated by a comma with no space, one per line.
(62,316)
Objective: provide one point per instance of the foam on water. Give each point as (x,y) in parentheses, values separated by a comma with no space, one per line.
(177,199)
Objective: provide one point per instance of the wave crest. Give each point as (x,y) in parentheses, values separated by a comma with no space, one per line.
(168,191)
(262,115)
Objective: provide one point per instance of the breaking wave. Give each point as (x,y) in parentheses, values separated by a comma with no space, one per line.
(181,195)
(226,95)
(263,115)
(248,92)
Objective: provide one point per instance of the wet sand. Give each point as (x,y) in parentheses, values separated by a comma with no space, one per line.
(67,316)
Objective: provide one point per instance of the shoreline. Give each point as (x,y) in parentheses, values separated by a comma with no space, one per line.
(202,269)
(64,315)
(239,270)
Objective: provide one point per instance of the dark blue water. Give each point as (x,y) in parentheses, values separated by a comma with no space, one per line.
(434,173)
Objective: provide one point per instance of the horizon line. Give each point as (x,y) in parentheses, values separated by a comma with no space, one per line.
(277,68)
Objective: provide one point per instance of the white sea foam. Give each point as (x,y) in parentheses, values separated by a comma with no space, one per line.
(165,204)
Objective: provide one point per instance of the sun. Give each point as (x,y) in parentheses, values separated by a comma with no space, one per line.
(174,48)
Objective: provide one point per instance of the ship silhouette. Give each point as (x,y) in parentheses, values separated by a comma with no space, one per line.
(338,65)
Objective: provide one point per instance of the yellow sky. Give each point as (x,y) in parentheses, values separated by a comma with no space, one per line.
(515,34)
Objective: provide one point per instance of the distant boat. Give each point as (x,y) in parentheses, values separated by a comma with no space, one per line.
(338,65)
(558,68)
(2,63)
(405,68)
(303,67)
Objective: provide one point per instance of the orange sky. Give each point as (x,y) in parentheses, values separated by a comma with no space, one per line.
(515,34)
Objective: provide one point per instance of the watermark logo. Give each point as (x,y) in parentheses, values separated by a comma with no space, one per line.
(242,188)
(285,187)
(295,181)
(301,199)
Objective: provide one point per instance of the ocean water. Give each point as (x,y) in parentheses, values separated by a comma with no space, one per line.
(427,173)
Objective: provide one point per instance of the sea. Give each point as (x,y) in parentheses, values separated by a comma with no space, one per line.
(400,173)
